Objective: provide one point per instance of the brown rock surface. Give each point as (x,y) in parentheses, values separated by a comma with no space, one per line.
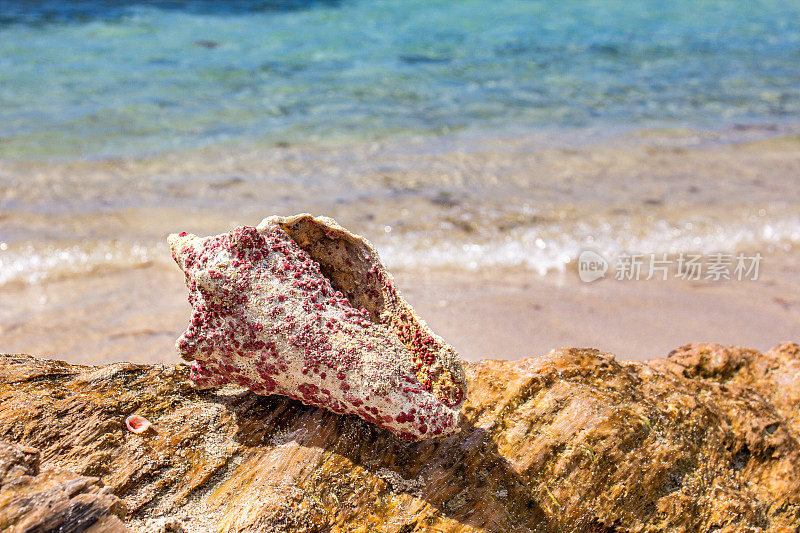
(705,440)
(32,500)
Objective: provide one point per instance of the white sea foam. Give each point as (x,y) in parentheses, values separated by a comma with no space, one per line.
(542,249)
(552,248)
(31,264)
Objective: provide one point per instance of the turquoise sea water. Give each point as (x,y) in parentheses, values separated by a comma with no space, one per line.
(93,78)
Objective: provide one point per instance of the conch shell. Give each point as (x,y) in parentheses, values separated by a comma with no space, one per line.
(301,307)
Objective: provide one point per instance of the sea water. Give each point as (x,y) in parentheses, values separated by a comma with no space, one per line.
(88,78)
(122,120)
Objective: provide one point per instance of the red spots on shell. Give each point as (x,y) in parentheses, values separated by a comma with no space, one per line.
(304,318)
(308,389)
(353,400)
(268,385)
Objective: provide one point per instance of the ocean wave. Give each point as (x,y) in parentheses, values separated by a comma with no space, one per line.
(552,248)
(31,264)
(542,249)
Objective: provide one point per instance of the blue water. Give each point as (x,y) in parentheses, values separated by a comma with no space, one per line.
(91,78)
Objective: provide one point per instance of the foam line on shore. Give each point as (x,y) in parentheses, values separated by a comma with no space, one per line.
(541,249)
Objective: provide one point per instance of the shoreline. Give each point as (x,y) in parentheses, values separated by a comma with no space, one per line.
(475,218)
(545,136)
(504,315)
(538,136)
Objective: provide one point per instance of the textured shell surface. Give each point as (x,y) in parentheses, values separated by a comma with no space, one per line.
(301,307)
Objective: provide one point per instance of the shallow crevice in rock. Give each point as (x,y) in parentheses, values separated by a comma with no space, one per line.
(33,500)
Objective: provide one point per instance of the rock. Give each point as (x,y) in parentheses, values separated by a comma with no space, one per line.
(52,500)
(704,440)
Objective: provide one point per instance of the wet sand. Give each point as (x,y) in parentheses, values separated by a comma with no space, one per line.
(500,315)
(481,234)
(515,316)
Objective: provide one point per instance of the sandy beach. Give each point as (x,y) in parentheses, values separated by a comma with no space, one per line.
(482,234)
(498,317)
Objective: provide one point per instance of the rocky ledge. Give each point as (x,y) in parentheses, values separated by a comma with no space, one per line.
(704,440)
